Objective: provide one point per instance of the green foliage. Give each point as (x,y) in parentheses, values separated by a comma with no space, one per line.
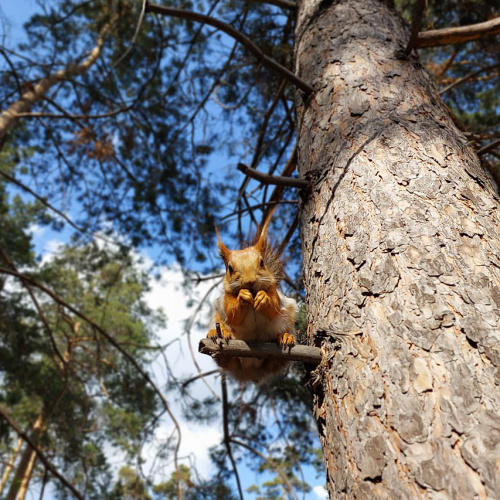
(213,489)
(471,70)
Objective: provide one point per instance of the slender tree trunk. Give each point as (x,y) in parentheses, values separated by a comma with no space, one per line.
(23,488)
(401,247)
(20,482)
(10,466)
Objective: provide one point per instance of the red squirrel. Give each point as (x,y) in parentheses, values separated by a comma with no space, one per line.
(252,307)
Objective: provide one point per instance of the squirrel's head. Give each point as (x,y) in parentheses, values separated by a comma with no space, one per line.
(255,268)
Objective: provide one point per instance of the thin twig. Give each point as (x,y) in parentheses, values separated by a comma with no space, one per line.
(284,4)
(467,77)
(50,333)
(273,179)
(488,147)
(13,70)
(198,376)
(58,212)
(187,330)
(134,38)
(227,438)
(271,462)
(69,116)
(260,205)
(237,35)
(415,27)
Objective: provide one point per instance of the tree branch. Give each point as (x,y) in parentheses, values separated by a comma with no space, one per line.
(69,116)
(415,27)
(10,116)
(48,465)
(488,147)
(273,179)
(450,36)
(284,4)
(227,437)
(262,350)
(467,77)
(237,35)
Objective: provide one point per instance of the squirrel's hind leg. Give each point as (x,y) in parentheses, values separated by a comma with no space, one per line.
(285,339)
(226,332)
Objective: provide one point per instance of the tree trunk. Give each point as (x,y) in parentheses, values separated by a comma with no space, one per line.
(401,246)
(20,482)
(10,466)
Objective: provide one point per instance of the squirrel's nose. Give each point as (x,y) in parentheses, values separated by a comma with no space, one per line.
(249,284)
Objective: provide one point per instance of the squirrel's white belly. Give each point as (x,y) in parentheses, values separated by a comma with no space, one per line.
(256,326)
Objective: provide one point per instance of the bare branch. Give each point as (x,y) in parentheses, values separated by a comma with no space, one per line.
(134,38)
(10,116)
(415,27)
(467,77)
(273,179)
(265,205)
(237,35)
(262,350)
(198,376)
(450,36)
(48,465)
(13,70)
(488,147)
(271,462)
(69,116)
(284,4)
(227,437)
(58,212)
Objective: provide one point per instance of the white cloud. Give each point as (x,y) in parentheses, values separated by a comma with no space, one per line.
(52,247)
(321,492)
(36,230)
(195,443)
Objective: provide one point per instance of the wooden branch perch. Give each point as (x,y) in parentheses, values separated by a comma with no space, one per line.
(450,36)
(273,179)
(262,350)
(237,35)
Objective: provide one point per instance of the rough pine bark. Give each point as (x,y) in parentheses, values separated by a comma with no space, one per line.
(401,248)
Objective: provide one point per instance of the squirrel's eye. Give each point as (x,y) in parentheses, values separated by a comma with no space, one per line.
(230,268)
(262,263)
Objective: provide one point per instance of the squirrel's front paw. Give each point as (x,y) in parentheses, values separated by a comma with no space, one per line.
(261,301)
(245,296)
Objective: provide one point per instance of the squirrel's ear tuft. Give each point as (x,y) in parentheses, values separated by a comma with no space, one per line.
(261,242)
(224,252)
